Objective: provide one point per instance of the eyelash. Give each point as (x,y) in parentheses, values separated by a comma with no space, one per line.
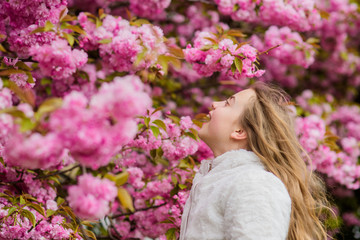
(226,102)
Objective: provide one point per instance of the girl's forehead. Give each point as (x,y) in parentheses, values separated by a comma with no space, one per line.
(243,96)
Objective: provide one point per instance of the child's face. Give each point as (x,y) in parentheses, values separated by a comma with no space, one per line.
(224,119)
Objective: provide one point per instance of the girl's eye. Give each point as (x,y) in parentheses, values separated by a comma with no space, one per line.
(226,102)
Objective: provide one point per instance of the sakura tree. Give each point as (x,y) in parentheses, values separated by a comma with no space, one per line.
(101,100)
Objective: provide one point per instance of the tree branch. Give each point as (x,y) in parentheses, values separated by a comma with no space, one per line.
(138,210)
(58,172)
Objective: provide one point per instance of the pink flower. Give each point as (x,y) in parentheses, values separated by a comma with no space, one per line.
(135,177)
(57,59)
(33,151)
(152,9)
(91,197)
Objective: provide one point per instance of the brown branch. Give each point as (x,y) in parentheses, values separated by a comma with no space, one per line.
(112,226)
(267,51)
(82,229)
(203,1)
(58,172)
(138,210)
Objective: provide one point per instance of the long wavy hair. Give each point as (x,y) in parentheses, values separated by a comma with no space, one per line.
(271,136)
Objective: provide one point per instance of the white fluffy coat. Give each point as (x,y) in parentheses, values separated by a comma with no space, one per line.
(236,199)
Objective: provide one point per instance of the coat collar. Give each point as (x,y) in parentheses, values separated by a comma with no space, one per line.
(229,160)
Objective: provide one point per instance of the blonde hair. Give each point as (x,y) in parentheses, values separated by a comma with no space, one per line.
(271,136)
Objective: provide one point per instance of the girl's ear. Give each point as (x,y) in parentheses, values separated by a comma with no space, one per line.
(239,134)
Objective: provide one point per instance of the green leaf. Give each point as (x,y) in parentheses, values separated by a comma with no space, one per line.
(157,109)
(11,210)
(70,38)
(105,41)
(25,94)
(211,40)
(140,126)
(170,234)
(49,105)
(22,201)
(30,77)
(13,111)
(29,215)
(125,199)
(160,123)
(23,66)
(238,64)
(2,48)
(88,223)
(140,56)
(176,51)
(174,179)
(175,119)
(50,212)
(69,212)
(63,14)
(110,176)
(98,22)
(233,68)
(10,71)
(60,201)
(55,179)
(38,30)
(153,153)
(147,121)
(190,134)
(139,22)
(236,7)
(27,124)
(37,208)
(182,186)
(48,26)
(344,56)
(75,28)
(155,131)
(235,33)
(90,234)
(121,178)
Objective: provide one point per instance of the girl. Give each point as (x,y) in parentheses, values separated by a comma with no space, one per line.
(258,186)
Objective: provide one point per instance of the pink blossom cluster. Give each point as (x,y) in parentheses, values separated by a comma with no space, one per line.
(24,13)
(144,183)
(314,108)
(58,60)
(342,165)
(20,40)
(174,144)
(21,80)
(348,120)
(95,130)
(22,17)
(298,15)
(151,9)
(311,130)
(337,37)
(23,228)
(195,18)
(33,150)
(292,49)
(221,56)
(91,197)
(6,121)
(123,43)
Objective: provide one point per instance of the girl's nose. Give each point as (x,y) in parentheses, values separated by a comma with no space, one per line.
(214,105)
